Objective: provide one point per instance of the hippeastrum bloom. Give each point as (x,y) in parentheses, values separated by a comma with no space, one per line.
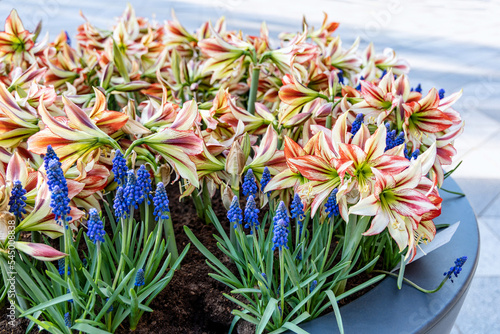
(423,118)
(108,121)
(396,204)
(267,154)
(74,139)
(177,142)
(16,124)
(223,55)
(15,42)
(39,251)
(295,95)
(359,161)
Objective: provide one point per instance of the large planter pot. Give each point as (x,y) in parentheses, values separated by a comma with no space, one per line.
(385,309)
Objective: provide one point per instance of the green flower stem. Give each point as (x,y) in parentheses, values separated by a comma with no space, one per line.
(96,277)
(147,220)
(198,203)
(169,232)
(67,245)
(253,90)
(413,284)
(207,202)
(257,249)
(328,245)
(122,252)
(282,283)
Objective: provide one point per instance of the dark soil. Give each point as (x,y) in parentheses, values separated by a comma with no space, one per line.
(192,302)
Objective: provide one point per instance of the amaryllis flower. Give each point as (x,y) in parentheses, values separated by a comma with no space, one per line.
(267,154)
(395,204)
(359,161)
(423,118)
(16,42)
(177,142)
(294,95)
(222,55)
(16,124)
(39,251)
(74,139)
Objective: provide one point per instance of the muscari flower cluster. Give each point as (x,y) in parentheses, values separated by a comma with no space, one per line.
(144,182)
(67,319)
(58,187)
(234,214)
(297,211)
(132,193)
(356,125)
(280,238)
(251,214)
(17,200)
(249,186)
(95,227)
(61,263)
(281,214)
(391,140)
(139,278)
(119,168)
(457,268)
(418,89)
(161,202)
(266,177)
(119,205)
(313,286)
(331,206)
(411,155)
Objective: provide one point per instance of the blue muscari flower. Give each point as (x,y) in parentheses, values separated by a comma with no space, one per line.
(139,278)
(69,291)
(144,182)
(340,75)
(62,263)
(331,206)
(266,177)
(384,72)
(120,168)
(418,89)
(313,286)
(50,155)
(358,87)
(17,200)
(161,202)
(299,255)
(234,214)
(60,205)
(280,238)
(59,201)
(68,40)
(84,263)
(391,140)
(132,193)
(95,227)
(356,125)
(119,205)
(67,319)
(249,186)
(441,93)
(281,213)
(110,309)
(251,217)
(457,268)
(410,155)
(297,208)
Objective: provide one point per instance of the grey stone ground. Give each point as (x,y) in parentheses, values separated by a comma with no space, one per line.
(450,44)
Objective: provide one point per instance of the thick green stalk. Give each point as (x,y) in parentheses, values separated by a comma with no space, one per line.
(253,90)
(122,251)
(169,232)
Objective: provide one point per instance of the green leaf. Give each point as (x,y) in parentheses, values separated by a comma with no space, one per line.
(246,317)
(119,63)
(336,310)
(268,312)
(401,273)
(43,306)
(294,328)
(361,286)
(86,328)
(209,255)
